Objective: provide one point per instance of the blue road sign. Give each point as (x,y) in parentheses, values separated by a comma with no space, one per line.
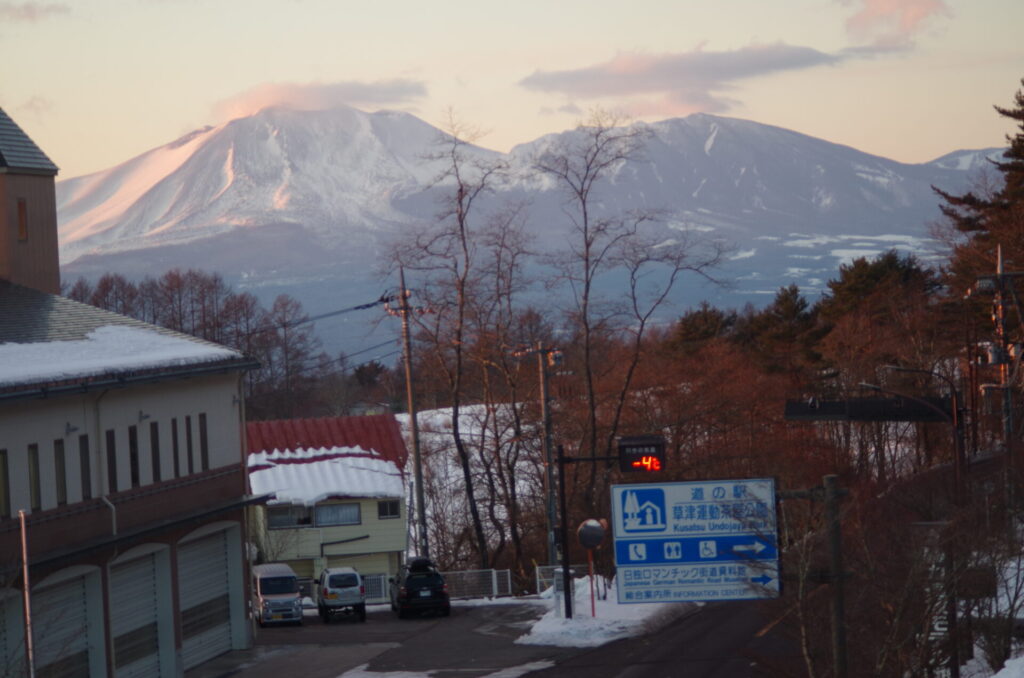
(705,540)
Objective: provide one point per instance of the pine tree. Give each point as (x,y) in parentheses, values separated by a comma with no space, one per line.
(991,218)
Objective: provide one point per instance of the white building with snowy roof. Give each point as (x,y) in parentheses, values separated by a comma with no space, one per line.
(335,495)
(121,447)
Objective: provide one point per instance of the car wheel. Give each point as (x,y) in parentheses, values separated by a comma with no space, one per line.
(362,613)
(401,613)
(445,611)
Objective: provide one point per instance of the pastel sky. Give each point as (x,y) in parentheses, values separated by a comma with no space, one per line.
(96,82)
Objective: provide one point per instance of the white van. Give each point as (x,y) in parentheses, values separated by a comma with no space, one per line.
(276,596)
(341,591)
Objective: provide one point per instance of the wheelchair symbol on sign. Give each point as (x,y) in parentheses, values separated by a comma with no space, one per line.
(708,549)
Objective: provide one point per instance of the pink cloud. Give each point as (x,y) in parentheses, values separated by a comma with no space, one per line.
(319,96)
(680,82)
(28,12)
(892,22)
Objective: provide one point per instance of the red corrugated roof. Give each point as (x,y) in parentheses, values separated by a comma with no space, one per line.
(379,432)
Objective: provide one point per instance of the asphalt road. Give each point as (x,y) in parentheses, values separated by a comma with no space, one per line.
(720,640)
(474,641)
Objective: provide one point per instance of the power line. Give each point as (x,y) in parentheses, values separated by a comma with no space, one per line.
(384,298)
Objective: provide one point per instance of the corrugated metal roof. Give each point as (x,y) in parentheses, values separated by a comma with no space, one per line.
(379,433)
(18,153)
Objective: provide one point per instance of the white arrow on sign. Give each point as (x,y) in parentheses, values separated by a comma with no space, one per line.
(756,547)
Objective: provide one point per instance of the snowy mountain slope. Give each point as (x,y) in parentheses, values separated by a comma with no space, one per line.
(331,172)
(309,202)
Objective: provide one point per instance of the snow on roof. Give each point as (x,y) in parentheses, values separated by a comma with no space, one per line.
(106,349)
(308,476)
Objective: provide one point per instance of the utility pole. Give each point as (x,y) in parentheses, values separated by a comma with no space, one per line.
(419,510)
(832,494)
(1002,284)
(999,316)
(545,356)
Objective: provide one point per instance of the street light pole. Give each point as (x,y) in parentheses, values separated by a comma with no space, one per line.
(545,405)
(960,454)
(952,626)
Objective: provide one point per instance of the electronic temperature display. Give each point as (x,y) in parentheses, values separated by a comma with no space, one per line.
(641,453)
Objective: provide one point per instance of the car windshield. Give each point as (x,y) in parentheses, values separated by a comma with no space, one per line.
(275,585)
(343,580)
(424,579)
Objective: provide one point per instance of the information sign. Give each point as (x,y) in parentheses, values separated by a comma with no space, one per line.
(704,540)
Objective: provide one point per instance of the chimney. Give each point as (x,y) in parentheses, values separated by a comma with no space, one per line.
(28,211)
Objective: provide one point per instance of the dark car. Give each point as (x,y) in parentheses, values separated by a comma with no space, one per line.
(419,587)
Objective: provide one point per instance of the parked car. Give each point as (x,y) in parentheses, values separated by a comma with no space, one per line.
(276,597)
(341,592)
(419,587)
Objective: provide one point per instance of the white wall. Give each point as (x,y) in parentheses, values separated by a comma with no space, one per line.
(65,418)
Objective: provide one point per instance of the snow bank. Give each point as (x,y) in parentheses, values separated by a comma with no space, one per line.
(609,622)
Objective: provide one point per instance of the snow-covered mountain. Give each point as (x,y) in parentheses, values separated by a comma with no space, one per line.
(305,201)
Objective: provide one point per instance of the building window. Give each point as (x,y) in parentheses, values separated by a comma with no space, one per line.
(387,509)
(154,449)
(280,517)
(60,472)
(85,466)
(188,445)
(174,448)
(5,487)
(34,487)
(204,443)
(337,514)
(111,461)
(22,219)
(133,454)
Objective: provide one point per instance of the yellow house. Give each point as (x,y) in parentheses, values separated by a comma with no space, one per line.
(330,501)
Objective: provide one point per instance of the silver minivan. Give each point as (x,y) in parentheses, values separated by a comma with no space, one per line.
(276,596)
(341,591)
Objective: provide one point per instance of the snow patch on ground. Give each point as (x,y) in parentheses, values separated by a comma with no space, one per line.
(609,620)
(511,672)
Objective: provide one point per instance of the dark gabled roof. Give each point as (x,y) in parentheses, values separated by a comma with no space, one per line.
(29,316)
(379,432)
(18,153)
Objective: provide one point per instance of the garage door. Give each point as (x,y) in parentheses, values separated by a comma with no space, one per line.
(203,588)
(12,636)
(133,618)
(60,630)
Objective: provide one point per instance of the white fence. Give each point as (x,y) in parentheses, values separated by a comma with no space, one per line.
(544,575)
(376,586)
(479,583)
(465,584)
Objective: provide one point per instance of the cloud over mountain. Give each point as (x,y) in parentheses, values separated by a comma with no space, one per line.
(320,96)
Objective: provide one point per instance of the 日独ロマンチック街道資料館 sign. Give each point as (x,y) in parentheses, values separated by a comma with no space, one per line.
(689,541)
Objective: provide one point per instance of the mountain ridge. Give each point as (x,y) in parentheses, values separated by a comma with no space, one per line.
(289,200)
